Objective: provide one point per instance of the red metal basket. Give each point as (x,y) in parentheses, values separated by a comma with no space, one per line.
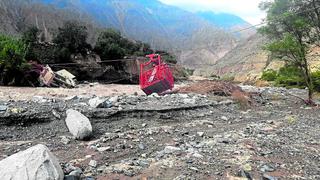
(155,76)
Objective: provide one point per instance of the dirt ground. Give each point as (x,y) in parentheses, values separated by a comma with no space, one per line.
(177,136)
(25,93)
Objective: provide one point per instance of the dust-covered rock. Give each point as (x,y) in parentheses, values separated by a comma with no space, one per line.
(78,125)
(35,163)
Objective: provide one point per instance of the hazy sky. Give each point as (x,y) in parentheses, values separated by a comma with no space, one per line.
(246,9)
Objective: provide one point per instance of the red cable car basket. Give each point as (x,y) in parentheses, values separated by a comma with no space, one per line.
(155,76)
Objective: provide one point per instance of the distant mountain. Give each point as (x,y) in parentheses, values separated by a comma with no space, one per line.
(245,62)
(229,22)
(196,39)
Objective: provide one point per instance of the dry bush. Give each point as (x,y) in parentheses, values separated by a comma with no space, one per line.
(242,98)
(211,87)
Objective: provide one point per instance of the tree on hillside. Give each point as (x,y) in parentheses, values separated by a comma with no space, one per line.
(109,44)
(292,34)
(30,38)
(71,39)
(12,60)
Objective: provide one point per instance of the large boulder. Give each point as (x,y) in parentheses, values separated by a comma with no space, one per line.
(78,125)
(35,163)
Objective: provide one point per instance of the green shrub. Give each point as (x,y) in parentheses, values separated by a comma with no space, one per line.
(12,60)
(316,80)
(269,75)
(290,77)
(71,39)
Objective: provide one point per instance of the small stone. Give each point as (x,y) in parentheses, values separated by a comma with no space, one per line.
(224,118)
(144,155)
(3,108)
(171,149)
(189,101)
(65,140)
(88,156)
(154,95)
(267,168)
(71,177)
(39,99)
(102,149)
(144,125)
(141,146)
(114,99)
(226,102)
(105,104)
(200,134)
(184,95)
(194,168)
(197,155)
(93,163)
(95,102)
(267,177)
(76,172)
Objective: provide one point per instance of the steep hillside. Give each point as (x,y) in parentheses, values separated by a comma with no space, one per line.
(228,22)
(245,62)
(17,15)
(193,39)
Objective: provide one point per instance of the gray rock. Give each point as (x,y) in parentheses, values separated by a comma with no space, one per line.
(141,146)
(189,101)
(224,118)
(71,177)
(3,108)
(35,163)
(102,149)
(184,95)
(65,140)
(200,134)
(226,102)
(39,99)
(105,104)
(93,163)
(267,177)
(78,125)
(76,172)
(171,149)
(267,168)
(114,99)
(95,102)
(154,95)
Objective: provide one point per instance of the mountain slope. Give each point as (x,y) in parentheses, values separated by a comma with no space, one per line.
(195,40)
(228,22)
(245,62)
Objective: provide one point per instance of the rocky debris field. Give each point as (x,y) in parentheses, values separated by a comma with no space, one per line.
(176,136)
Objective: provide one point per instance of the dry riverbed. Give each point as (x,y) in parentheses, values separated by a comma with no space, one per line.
(177,136)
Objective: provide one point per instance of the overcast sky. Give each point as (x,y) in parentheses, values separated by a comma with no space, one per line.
(246,9)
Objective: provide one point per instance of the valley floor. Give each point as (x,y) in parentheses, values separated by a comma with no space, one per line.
(177,136)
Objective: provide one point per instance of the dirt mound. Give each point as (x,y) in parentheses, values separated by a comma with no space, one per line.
(211,87)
